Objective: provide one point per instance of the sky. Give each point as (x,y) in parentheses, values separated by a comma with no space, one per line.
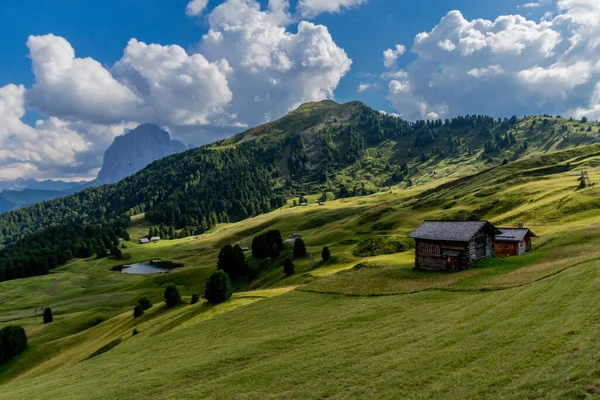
(75,74)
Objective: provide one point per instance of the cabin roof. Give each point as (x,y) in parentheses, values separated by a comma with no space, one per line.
(451,231)
(513,234)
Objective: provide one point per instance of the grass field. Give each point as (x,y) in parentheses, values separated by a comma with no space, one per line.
(368,327)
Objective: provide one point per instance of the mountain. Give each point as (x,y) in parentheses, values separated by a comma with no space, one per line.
(344,149)
(23,192)
(14,199)
(33,184)
(128,154)
(131,152)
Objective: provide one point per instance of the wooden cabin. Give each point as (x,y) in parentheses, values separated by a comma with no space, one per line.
(514,241)
(452,245)
(155,239)
(144,241)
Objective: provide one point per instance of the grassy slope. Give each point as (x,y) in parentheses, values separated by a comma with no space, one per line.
(518,327)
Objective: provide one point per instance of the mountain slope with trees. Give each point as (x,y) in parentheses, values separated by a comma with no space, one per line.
(348,150)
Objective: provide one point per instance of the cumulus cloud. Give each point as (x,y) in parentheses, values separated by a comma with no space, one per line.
(363,87)
(66,86)
(273,69)
(40,150)
(178,88)
(512,65)
(391,55)
(312,8)
(195,7)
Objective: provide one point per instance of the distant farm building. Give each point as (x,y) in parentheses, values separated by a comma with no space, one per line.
(514,241)
(155,239)
(292,238)
(321,203)
(244,249)
(304,204)
(144,241)
(453,245)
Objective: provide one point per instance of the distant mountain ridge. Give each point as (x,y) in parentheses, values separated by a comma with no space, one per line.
(128,154)
(133,151)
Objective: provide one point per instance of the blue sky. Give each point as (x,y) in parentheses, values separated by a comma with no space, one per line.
(101,30)
(75,74)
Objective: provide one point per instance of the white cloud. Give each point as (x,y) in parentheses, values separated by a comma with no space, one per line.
(363,87)
(529,5)
(512,65)
(273,69)
(195,7)
(311,8)
(180,89)
(66,86)
(391,55)
(30,150)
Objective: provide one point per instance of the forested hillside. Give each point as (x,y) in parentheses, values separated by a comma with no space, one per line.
(347,150)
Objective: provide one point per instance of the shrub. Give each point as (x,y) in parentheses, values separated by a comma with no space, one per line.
(48,315)
(299,248)
(378,245)
(288,267)
(135,332)
(233,261)
(14,341)
(145,303)
(218,287)
(138,311)
(325,254)
(116,252)
(268,244)
(172,297)
(195,298)
(100,252)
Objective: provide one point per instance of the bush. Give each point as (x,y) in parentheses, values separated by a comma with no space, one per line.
(138,311)
(116,252)
(379,245)
(172,297)
(233,261)
(218,287)
(14,341)
(145,303)
(48,315)
(195,298)
(325,254)
(269,244)
(135,332)
(288,267)
(100,252)
(299,248)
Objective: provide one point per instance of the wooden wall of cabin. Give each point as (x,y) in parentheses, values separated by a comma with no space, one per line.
(489,244)
(506,249)
(429,255)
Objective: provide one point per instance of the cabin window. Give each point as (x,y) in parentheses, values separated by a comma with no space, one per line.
(431,249)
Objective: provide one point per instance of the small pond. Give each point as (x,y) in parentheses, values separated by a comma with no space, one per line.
(147,267)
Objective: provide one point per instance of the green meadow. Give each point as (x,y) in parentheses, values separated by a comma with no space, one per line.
(363,325)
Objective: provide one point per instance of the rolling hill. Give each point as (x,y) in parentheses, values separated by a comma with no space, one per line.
(346,150)
(364,326)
